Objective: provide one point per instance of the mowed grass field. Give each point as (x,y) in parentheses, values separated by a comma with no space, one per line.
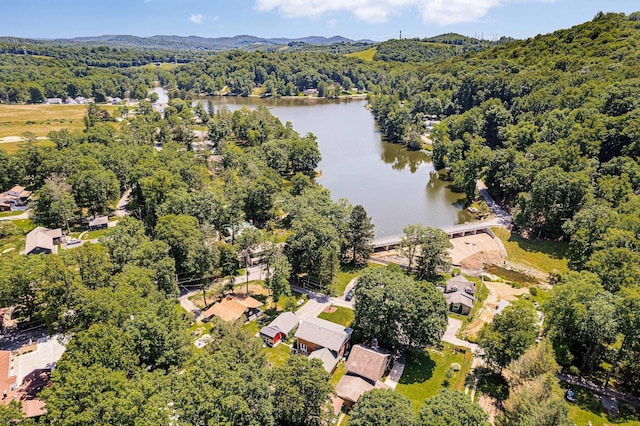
(41,119)
(365,55)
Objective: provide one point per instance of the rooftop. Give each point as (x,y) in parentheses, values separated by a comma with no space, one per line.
(368,363)
(351,388)
(323,333)
(328,357)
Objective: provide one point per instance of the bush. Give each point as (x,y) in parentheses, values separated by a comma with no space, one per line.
(533,291)
(455,366)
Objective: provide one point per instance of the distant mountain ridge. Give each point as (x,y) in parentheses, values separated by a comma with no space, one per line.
(196,42)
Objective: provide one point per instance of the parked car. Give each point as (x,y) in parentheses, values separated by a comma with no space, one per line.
(349,296)
(570,395)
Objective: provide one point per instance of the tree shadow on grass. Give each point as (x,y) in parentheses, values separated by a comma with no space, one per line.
(494,385)
(418,368)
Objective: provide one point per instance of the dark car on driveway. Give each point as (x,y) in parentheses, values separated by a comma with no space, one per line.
(349,295)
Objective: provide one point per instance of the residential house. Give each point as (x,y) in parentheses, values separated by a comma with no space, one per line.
(460,294)
(315,334)
(365,367)
(56,101)
(98,222)
(279,328)
(42,240)
(14,198)
(232,308)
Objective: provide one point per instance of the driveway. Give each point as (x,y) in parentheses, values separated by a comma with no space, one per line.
(450,336)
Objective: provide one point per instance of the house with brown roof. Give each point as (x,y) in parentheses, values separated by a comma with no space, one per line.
(460,294)
(42,240)
(365,367)
(234,307)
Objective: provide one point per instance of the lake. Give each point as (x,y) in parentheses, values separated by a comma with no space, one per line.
(397,187)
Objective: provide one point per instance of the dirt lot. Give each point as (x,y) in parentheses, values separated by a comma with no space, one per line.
(497,292)
(472,251)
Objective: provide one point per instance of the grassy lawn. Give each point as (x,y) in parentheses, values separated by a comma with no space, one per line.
(588,410)
(12,244)
(278,355)
(252,327)
(9,214)
(13,147)
(41,119)
(547,256)
(342,316)
(345,275)
(516,277)
(425,372)
(365,55)
(341,370)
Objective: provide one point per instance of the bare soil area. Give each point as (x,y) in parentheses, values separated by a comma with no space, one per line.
(490,406)
(497,292)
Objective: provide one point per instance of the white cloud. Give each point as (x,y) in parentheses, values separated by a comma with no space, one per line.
(197,18)
(436,11)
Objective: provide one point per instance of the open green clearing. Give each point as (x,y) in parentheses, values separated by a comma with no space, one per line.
(278,355)
(346,274)
(12,244)
(41,119)
(365,55)
(588,410)
(425,373)
(547,256)
(343,316)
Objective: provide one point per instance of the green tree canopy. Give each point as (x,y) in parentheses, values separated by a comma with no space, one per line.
(382,406)
(419,310)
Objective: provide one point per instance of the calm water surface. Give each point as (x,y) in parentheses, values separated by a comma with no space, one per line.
(396,187)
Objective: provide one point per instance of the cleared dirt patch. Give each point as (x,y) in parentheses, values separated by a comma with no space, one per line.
(330,309)
(472,251)
(497,292)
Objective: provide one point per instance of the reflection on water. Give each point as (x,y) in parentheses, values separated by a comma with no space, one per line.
(400,159)
(397,187)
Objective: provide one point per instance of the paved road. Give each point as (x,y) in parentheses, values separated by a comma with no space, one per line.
(21,216)
(599,389)
(124,200)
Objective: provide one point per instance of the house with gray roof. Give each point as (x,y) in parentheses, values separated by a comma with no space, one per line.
(460,294)
(315,333)
(279,328)
(99,222)
(42,240)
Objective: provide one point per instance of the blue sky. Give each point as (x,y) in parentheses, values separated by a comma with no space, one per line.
(356,19)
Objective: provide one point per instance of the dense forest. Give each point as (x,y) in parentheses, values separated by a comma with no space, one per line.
(550,124)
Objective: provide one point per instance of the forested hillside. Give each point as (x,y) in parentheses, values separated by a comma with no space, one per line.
(551,125)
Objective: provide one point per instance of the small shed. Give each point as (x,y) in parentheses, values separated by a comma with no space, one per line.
(98,222)
(279,328)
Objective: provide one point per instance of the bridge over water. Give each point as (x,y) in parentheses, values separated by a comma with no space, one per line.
(455,231)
